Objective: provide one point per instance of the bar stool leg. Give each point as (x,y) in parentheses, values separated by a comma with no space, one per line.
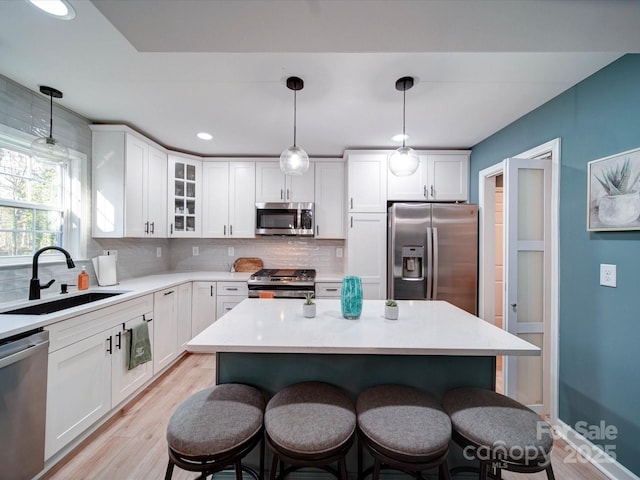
(274,467)
(444,471)
(169,473)
(550,474)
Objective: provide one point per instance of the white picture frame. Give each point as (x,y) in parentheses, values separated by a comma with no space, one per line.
(613,192)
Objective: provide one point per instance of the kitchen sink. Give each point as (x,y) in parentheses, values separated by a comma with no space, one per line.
(60,304)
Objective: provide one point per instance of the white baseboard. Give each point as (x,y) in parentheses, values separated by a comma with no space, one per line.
(594,453)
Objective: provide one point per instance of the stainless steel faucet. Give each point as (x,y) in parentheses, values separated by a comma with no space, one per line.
(34,285)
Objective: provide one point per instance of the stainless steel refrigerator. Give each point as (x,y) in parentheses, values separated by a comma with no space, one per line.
(433,253)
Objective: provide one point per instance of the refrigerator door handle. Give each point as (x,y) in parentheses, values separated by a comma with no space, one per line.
(435,263)
(428,296)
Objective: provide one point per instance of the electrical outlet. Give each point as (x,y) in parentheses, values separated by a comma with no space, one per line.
(339,252)
(230,252)
(195,251)
(111,252)
(158,252)
(607,275)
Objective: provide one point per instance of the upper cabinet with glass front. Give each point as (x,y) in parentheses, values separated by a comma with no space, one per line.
(184,187)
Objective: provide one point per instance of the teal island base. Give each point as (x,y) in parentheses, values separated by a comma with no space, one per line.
(354,373)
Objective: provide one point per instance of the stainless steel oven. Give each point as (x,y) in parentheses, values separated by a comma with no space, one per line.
(282,283)
(284,219)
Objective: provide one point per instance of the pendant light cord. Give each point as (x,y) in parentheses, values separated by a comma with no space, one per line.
(50,116)
(404,106)
(295,95)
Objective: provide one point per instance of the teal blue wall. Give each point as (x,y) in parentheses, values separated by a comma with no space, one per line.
(599,343)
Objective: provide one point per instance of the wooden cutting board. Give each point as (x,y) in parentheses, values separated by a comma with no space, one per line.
(247,264)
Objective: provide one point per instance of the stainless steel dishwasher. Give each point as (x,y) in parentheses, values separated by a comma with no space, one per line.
(23,403)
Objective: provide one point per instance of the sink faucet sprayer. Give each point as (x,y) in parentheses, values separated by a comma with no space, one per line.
(34,285)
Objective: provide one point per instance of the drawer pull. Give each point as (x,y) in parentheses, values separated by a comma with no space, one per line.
(232,289)
(169,293)
(331,289)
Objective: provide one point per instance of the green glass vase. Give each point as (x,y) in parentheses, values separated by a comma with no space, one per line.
(351,297)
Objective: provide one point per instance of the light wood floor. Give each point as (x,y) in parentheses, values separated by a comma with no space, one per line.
(132,444)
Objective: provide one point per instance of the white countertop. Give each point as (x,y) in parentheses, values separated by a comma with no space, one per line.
(423,328)
(15,324)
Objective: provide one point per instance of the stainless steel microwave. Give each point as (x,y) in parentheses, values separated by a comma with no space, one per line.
(285,219)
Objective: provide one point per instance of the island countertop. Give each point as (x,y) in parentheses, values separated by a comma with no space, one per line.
(423,328)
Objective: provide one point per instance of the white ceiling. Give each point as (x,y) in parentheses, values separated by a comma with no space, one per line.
(172,68)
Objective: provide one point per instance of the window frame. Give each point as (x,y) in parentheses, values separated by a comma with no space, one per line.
(75,200)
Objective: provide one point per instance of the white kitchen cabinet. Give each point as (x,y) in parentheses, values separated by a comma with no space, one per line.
(274,186)
(185,184)
(78,390)
(203,306)
(185,293)
(129,184)
(329,199)
(441,176)
(229,199)
(230,294)
(165,328)
(328,289)
(366,181)
(125,382)
(367,252)
(87,370)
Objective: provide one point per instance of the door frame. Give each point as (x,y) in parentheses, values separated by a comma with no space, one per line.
(486,241)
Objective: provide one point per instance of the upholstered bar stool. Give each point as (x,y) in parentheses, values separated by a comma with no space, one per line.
(404,429)
(310,424)
(215,428)
(500,432)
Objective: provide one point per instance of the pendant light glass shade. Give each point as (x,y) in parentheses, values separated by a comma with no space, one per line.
(48,147)
(404,161)
(294,160)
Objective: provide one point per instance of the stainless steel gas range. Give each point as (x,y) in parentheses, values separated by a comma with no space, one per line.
(281,283)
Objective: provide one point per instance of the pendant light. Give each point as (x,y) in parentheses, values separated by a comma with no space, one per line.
(48,147)
(404,161)
(294,160)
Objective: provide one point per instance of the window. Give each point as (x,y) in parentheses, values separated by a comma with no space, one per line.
(36,200)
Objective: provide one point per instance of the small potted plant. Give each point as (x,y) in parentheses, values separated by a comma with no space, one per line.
(391,310)
(309,308)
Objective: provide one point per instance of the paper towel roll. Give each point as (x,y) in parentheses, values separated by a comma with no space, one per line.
(106,271)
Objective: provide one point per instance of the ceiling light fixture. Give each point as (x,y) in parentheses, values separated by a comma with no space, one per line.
(49,147)
(60,9)
(205,136)
(404,161)
(294,160)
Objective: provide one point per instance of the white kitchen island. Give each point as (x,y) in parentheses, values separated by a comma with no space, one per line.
(433,345)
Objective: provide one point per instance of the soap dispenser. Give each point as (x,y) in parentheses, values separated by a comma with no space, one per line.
(83,279)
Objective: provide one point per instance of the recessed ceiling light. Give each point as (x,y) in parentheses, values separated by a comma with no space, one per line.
(61,9)
(205,136)
(399,137)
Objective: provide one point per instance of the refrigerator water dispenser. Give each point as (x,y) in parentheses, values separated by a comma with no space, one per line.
(412,263)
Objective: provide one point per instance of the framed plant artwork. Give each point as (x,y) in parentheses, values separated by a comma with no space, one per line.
(614,192)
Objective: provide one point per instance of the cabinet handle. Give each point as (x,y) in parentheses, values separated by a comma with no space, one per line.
(424,194)
(432,195)
(110,347)
(317,230)
(145,319)
(351,203)
(119,344)
(153,228)
(281,194)
(211,287)
(171,229)
(224,230)
(232,289)
(351,222)
(288,194)
(331,289)
(146,227)
(169,293)
(231,230)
